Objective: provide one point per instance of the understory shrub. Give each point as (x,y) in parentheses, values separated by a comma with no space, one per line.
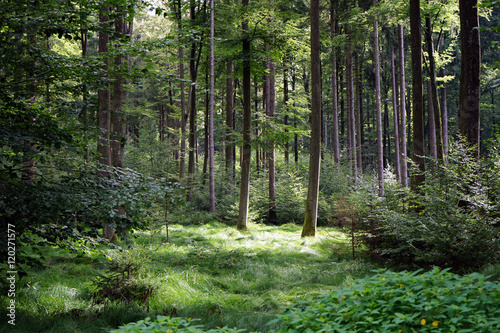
(449,222)
(435,301)
(169,325)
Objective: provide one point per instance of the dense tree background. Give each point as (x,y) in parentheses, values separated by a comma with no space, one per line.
(102,103)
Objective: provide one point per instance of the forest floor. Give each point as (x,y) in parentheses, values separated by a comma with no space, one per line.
(211,272)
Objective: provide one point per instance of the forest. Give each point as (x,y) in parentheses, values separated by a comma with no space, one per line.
(250,166)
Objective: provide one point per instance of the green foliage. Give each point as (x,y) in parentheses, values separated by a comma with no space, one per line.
(120,282)
(169,325)
(436,301)
(450,222)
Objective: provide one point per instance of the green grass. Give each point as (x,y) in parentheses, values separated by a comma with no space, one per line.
(212,272)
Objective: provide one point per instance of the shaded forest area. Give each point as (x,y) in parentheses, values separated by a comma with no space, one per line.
(161,148)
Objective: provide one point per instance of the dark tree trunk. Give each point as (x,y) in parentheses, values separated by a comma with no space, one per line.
(380,165)
(335,111)
(311,215)
(395,116)
(211,147)
(470,70)
(247,128)
(402,82)
(417,94)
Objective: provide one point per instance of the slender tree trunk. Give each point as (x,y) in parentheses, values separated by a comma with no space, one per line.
(417,94)
(335,111)
(211,114)
(229,118)
(359,118)
(433,90)
(285,118)
(380,151)
(247,128)
(296,136)
(103,95)
(402,104)
(184,115)
(396,116)
(270,105)
(118,140)
(470,71)
(444,115)
(311,215)
(351,127)
(433,150)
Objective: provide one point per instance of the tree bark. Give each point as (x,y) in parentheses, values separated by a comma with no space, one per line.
(470,71)
(402,96)
(229,119)
(417,94)
(433,96)
(380,155)
(247,128)
(359,118)
(335,111)
(433,150)
(311,215)
(396,117)
(211,114)
(351,127)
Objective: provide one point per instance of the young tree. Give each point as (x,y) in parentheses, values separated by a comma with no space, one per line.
(470,70)
(247,128)
(311,216)
(396,116)
(335,111)
(402,104)
(380,151)
(211,113)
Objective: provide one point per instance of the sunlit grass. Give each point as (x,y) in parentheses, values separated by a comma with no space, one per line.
(212,272)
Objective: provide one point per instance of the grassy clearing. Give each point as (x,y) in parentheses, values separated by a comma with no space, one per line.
(211,272)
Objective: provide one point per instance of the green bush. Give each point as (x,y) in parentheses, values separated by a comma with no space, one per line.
(169,325)
(449,222)
(436,301)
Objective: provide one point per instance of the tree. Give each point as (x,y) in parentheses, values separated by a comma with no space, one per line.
(311,216)
(417,94)
(470,70)
(335,111)
(247,128)
(402,104)
(395,116)
(380,151)
(211,113)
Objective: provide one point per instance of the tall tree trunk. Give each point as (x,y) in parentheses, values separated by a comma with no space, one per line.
(417,94)
(444,114)
(285,118)
(229,119)
(380,166)
(402,96)
(296,136)
(395,116)
(103,95)
(118,139)
(104,112)
(433,150)
(359,118)
(351,127)
(311,216)
(247,128)
(184,116)
(433,96)
(270,105)
(211,114)
(335,111)
(470,71)
(193,72)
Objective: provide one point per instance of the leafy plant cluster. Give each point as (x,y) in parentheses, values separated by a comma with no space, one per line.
(120,283)
(434,301)
(170,325)
(452,221)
